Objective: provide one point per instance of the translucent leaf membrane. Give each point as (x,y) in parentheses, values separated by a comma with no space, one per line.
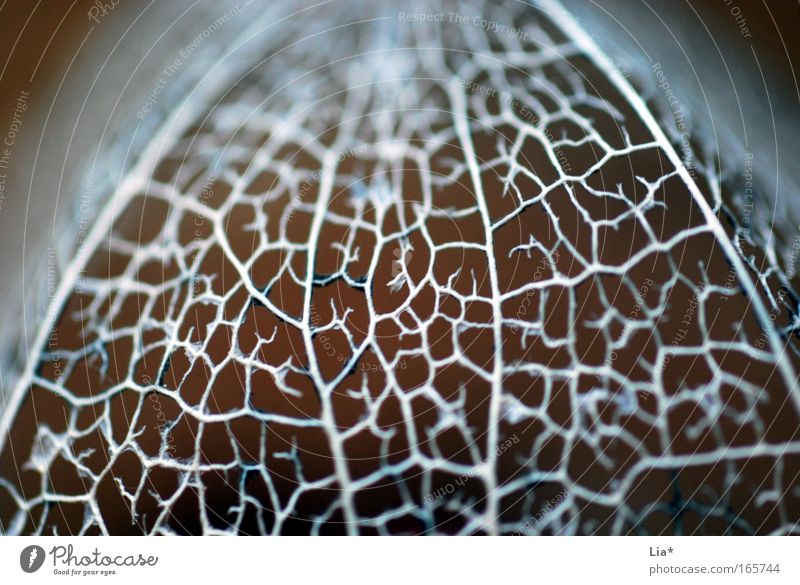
(434,278)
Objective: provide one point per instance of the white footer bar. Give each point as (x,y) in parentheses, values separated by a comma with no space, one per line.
(355,561)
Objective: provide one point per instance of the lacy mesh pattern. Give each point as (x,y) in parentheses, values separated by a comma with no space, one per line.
(411,278)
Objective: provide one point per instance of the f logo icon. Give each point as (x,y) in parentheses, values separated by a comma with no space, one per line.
(31,558)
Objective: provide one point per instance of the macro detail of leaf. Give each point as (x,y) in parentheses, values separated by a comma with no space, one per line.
(431,279)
